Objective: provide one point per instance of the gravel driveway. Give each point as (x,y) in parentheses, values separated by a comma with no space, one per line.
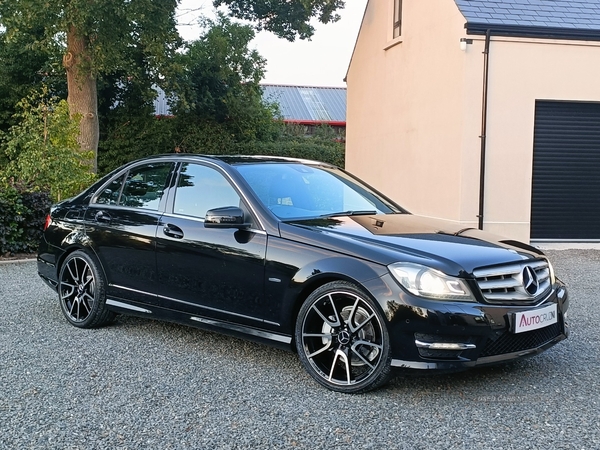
(140,384)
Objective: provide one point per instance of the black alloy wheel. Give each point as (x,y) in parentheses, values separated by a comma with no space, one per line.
(81,291)
(342,339)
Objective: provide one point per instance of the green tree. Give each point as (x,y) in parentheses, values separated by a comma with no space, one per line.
(97,38)
(42,149)
(285,18)
(219,84)
(216,101)
(23,70)
(129,128)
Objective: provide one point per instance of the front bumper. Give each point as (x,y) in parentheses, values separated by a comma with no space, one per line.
(464,363)
(431,334)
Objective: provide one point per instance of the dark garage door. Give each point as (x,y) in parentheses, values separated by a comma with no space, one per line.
(565,200)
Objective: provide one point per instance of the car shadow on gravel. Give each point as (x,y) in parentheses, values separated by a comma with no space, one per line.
(504,382)
(205,343)
(509,383)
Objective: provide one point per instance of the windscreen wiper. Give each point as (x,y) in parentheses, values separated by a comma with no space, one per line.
(365,212)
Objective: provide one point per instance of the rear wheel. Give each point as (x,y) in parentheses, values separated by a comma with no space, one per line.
(81,291)
(342,339)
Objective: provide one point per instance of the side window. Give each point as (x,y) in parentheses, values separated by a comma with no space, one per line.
(110,194)
(141,187)
(201,188)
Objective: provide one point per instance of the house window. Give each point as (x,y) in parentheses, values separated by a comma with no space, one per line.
(397,18)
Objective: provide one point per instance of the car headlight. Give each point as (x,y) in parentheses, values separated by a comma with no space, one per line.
(427,282)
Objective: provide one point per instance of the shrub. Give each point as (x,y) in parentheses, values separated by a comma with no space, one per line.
(145,135)
(22,215)
(125,138)
(42,149)
(37,206)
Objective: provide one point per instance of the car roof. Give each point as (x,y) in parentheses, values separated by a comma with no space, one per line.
(239,159)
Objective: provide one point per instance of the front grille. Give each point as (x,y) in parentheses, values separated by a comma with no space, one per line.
(508,284)
(510,342)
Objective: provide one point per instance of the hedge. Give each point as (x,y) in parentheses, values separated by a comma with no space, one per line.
(143,136)
(22,215)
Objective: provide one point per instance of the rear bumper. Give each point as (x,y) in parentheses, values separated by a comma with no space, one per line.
(46,263)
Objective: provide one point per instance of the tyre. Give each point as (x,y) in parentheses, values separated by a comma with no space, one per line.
(81,291)
(342,339)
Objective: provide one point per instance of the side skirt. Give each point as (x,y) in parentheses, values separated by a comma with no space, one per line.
(220,326)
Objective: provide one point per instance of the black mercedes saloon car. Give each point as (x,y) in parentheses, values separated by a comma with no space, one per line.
(301,255)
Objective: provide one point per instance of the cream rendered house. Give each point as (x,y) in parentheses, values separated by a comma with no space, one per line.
(483,112)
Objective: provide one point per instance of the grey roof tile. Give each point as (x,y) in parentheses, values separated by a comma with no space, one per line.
(511,22)
(529,7)
(554,19)
(468,9)
(566,14)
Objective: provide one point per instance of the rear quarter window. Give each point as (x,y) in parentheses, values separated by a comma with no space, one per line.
(141,187)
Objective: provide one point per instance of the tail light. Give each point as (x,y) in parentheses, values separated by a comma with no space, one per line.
(47,222)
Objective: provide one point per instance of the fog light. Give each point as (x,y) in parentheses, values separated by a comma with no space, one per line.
(444,345)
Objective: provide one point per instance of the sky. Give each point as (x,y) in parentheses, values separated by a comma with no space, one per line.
(323,61)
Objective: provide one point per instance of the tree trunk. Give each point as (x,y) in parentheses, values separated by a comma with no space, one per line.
(82,91)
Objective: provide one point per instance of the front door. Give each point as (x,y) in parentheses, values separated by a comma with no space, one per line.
(209,272)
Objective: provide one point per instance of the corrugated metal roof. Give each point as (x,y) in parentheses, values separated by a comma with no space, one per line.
(307,103)
(567,14)
(296,103)
(161,105)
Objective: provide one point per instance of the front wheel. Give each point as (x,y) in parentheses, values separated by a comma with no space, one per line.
(342,339)
(81,291)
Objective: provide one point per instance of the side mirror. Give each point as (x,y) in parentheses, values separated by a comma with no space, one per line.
(226,217)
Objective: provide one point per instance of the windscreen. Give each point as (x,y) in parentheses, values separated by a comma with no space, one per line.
(298,191)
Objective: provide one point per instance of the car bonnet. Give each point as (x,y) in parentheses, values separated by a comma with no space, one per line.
(388,238)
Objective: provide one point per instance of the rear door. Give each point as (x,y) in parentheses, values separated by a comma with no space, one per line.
(121,225)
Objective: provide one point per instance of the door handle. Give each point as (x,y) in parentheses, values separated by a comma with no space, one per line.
(173,231)
(101,216)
